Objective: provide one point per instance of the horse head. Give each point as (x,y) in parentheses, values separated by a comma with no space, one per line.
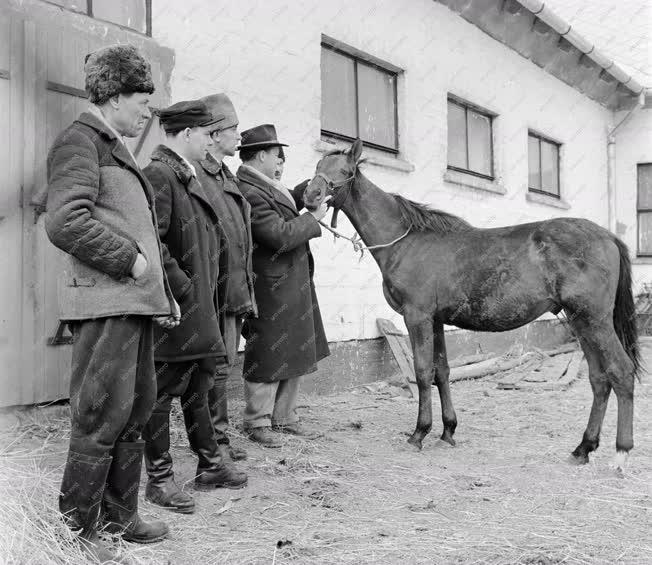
(334,176)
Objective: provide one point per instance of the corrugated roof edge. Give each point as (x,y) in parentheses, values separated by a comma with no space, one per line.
(563,28)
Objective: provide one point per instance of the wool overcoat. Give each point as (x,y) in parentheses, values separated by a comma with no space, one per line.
(220,186)
(287,338)
(194,258)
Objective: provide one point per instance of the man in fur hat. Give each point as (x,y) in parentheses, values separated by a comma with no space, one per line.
(287,338)
(235,219)
(100,212)
(187,357)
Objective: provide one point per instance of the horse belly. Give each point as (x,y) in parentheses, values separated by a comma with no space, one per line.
(499,311)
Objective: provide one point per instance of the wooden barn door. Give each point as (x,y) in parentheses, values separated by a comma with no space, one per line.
(54,97)
(11,215)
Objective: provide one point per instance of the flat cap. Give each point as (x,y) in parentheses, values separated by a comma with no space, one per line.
(186,114)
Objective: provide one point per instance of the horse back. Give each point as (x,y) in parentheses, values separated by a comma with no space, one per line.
(501,278)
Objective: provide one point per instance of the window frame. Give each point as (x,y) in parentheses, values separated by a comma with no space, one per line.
(358,56)
(464,104)
(89,12)
(640,253)
(540,137)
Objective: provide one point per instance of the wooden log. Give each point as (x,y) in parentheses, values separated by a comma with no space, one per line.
(566,348)
(470,359)
(488,367)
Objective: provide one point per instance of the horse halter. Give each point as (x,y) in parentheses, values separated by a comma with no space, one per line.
(329,187)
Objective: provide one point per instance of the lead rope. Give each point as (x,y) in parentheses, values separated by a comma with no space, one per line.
(356,240)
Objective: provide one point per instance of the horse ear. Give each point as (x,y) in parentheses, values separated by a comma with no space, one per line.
(356,150)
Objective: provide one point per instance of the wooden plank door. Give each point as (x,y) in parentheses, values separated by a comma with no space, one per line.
(55,96)
(11,216)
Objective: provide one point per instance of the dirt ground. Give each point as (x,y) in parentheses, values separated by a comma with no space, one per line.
(505,494)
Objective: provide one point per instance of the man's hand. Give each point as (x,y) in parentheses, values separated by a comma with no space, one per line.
(171,321)
(139,266)
(320,212)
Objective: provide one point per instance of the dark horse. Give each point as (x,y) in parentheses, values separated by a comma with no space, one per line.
(440,270)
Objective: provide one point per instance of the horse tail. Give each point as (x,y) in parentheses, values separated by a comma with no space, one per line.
(625,310)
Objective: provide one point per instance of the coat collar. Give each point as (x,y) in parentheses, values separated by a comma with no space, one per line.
(245,175)
(175,162)
(184,174)
(119,150)
(213,168)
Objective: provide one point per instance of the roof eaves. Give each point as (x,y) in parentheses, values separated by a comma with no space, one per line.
(539,9)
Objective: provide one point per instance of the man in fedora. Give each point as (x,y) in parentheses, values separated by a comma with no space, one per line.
(187,356)
(100,212)
(287,338)
(235,220)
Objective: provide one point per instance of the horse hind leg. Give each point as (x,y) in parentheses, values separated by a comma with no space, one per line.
(442,372)
(601,390)
(609,368)
(421,337)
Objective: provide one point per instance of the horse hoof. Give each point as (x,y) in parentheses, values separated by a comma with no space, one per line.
(448,438)
(620,463)
(578,459)
(416,442)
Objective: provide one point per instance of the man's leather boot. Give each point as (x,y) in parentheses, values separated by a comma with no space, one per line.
(80,499)
(212,471)
(161,488)
(121,497)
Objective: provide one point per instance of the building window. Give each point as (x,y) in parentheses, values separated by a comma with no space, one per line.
(358,96)
(644,209)
(543,165)
(131,14)
(470,139)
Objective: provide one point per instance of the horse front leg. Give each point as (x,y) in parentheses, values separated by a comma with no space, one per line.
(442,371)
(421,337)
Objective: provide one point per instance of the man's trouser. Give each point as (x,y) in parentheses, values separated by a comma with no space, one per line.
(271,404)
(190,380)
(217,399)
(112,391)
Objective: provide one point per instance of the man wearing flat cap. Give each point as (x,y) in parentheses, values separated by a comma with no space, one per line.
(196,263)
(287,338)
(100,212)
(235,216)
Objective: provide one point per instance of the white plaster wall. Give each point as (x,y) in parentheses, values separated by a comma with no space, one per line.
(633,146)
(266,56)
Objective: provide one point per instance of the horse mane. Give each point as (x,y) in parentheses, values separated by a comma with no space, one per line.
(417,216)
(420,217)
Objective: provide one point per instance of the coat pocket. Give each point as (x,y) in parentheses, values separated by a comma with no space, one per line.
(143,276)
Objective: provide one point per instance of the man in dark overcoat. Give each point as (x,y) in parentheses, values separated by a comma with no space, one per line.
(287,338)
(100,212)
(235,219)
(187,356)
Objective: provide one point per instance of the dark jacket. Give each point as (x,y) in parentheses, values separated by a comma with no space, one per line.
(99,211)
(220,186)
(193,259)
(287,339)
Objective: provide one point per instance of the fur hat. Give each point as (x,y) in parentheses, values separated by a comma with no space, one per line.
(116,69)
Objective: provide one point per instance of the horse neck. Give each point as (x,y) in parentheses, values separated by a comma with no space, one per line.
(374,214)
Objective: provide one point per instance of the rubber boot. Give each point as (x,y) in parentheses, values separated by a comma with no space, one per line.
(121,497)
(161,488)
(212,472)
(80,500)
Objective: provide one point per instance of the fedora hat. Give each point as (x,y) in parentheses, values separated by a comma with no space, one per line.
(260,137)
